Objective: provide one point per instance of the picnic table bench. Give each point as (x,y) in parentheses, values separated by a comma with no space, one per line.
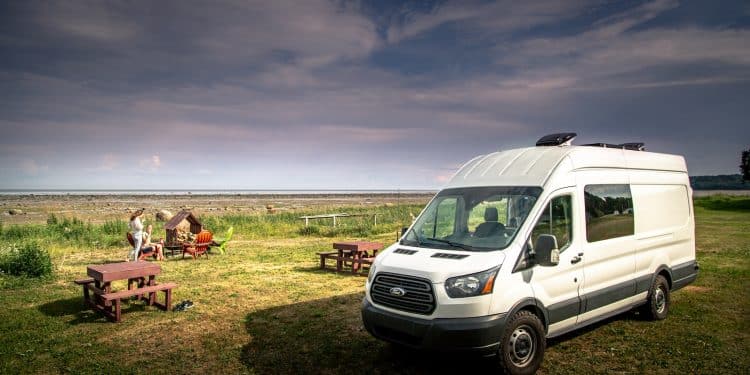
(354,254)
(141,277)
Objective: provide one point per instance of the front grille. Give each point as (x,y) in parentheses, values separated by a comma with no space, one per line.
(418,298)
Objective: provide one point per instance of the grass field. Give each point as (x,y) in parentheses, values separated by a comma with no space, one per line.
(264,307)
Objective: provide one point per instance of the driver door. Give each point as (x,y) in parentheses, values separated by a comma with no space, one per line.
(557,287)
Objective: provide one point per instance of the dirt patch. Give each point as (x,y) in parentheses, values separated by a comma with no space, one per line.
(697,289)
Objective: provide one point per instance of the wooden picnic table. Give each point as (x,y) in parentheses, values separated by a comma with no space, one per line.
(356,253)
(141,277)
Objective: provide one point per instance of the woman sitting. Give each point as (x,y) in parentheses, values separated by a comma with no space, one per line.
(148,246)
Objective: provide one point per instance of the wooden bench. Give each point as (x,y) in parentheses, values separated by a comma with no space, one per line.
(327,255)
(85,283)
(333,255)
(116,297)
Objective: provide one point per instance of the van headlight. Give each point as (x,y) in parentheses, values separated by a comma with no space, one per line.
(472,285)
(371,273)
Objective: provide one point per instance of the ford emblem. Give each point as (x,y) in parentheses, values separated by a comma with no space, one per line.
(398,292)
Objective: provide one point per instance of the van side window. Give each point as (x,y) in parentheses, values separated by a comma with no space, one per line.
(609,212)
(442,222)
(557,219)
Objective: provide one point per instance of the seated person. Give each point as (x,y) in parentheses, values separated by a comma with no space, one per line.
(148,246)
(490,226)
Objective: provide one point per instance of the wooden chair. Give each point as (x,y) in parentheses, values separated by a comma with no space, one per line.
(141,255)
(203,240)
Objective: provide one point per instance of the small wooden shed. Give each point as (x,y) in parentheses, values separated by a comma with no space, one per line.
(174,224)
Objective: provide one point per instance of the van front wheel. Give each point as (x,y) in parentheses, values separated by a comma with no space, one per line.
(657,306)
(522,346)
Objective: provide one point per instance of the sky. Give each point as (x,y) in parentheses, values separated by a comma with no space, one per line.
(371,94)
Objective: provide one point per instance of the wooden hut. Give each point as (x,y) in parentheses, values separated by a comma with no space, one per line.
(173,225)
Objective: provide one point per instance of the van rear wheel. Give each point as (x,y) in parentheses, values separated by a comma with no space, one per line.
(522,345)
(657,306)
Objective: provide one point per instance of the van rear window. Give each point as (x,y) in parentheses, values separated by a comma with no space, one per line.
(609,212)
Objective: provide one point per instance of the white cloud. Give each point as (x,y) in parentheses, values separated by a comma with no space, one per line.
(486,17)
(31,168)
(109,162)
(152,164)
(93,20)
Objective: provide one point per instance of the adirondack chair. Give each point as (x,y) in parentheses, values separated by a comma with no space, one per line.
(141,255)
(202,241)
(222,242)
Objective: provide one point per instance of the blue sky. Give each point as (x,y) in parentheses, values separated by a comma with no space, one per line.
(348,94)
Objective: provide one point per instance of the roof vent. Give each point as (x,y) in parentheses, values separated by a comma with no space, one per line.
(635,146)
(557,139)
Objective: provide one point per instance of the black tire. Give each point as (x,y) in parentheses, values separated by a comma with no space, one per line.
(522,345)
(657,305)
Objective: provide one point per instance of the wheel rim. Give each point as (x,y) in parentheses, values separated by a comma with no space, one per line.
(660,300)
(522,346)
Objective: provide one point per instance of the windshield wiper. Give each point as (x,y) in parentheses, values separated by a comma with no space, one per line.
(416,236)
(452,243)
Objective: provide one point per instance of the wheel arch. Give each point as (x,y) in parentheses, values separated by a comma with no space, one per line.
(534,306)
(665,271)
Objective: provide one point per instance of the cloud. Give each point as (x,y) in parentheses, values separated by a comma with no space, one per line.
(152,164)
(31,168)
(109,162)
(272,83)
(87,19)
(484,17)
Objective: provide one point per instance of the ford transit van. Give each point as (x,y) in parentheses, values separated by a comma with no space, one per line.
(528,244)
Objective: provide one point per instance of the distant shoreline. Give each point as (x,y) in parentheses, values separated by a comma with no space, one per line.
(266,194)
(212,192)
(706,193)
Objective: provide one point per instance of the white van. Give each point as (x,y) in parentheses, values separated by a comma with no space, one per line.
(528,244)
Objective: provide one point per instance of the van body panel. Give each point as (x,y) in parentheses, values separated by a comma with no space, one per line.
(519,167)
(608,265)
(510,288)
(626,302)
(424,264)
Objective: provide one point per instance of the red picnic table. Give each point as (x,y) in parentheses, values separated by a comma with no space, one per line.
(141,278)
(357,253)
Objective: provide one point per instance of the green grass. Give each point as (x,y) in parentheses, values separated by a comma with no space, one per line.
(263,307)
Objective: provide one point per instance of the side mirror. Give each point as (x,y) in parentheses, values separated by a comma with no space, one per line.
(546,252)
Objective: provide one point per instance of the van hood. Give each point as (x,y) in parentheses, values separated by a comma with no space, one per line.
(436,265)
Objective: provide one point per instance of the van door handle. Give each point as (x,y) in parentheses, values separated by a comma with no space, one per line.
(576,259)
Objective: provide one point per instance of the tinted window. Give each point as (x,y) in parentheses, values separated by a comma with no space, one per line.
(557,219)
(609,212)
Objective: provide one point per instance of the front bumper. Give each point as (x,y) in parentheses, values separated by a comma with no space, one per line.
(480,334)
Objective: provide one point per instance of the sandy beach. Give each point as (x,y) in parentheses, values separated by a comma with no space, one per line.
(35,208)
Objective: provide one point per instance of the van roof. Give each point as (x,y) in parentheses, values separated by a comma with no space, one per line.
(532,166)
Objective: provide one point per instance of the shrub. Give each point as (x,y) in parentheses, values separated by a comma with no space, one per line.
(114,227)
(309,231)
(51,219)
(28,260)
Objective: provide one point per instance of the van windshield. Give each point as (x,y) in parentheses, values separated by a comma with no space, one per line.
(473,218)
